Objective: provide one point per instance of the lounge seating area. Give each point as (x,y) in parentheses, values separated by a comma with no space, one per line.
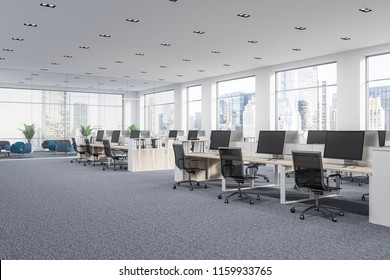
(61,146)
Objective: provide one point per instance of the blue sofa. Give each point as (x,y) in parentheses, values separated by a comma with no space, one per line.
(21,148)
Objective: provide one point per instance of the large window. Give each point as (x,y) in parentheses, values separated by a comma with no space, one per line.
(378,89)
(236,105)
(56,114)
(159,112)
(306,98)
(194,107)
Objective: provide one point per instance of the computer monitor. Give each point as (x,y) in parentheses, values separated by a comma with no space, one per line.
(145,134)
(135,134)
(115,136)
(316,137)
(172,134)
(99,136)
(382,138)
(346,145)
(192,135)
(219,138)
(271,142)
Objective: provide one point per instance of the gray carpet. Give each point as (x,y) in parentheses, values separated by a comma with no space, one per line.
(54,209)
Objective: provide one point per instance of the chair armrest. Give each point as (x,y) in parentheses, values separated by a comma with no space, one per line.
(253,170)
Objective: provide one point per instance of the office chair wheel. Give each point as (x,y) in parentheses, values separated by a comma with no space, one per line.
(104,168)
(302,217)
(226,201)
(219,196)
(71,161)
(334,219)
(239,195)
(191,189)
(258,197)
(360,184)
(250,201)
(267,180)
(341,213)
(85,164)
(292,210)
(363,198)
(205,186)
(174,186)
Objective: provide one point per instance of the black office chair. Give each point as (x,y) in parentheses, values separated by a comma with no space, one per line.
(117,160)
(79,151)
(191,166)
(232,166)
(91,152)
(309,175)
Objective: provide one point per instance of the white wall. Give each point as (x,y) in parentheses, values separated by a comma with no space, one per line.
(351,90)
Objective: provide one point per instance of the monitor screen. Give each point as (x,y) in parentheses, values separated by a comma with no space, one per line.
(115,136)
(316,137)
(347,145)
(172,134)
(219,138)
(99,136)
(192,134)
(382,138)
(371,138)
(135,134)
(271,142)
(145,134)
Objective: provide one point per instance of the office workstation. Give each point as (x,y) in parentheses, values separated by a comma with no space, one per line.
(270,95)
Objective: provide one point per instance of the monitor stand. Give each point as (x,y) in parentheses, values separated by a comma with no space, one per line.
(348,162)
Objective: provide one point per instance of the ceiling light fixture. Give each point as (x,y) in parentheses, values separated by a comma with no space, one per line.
(140,54)
(8,50)
(300,28)
(198,32)
(48,5)
(252,41)
(17,39)
(161,79)
(44,69)
(365,10)
(105,35)
(257,57)
(163,66)
(126,76)
(30,24)
(165,44)
(88,73)
(179,75)
(132,20)
(345,38)
(119,61)
(76,78)
(216,52)
(84,47)
(243,15)
(200,70)
(68,56)
(55,63)
(2,58)
(296,49)
(186,59)
(172,0)
(227,65)
(143,72)
(112,80)
(102,68)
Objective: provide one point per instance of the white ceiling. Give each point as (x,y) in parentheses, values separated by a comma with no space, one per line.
(73,23)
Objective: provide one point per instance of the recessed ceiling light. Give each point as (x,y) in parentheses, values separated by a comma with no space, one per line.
(2,58)
(8,50)
(140,54)
(48,5)
(44,69)
(300,28)
(163,66)
(216,52)
(365,10)
(257,57)
(84,47)
(132,20)
(198,32)
(186,59)
(243,15)
(102,68)
(296,49)
(118,61)
(179,75)
(345,38)
(173,0)
(126,76)
(200,70)
(226,64)
(68,56)
(143,72)
(55,63)
(105,35)
(161,79)
(17,39)
(165,44)
(252,41)
(30,24)
(88,73)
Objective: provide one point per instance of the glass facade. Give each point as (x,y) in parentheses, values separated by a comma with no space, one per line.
(159,112)
(236,106)
(378,91)
(194,107)
(306,98)
(56,114)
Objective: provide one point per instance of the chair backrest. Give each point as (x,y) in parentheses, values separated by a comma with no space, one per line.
(231,162)
(308,170)
(88,146)
(107,148)
(74,144)
(179,155)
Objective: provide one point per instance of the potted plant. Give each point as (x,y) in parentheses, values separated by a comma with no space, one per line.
(132,127)
(28,131)
(85,130)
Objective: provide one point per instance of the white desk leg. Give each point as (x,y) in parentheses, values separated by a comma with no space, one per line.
(282,183)
(223,185)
